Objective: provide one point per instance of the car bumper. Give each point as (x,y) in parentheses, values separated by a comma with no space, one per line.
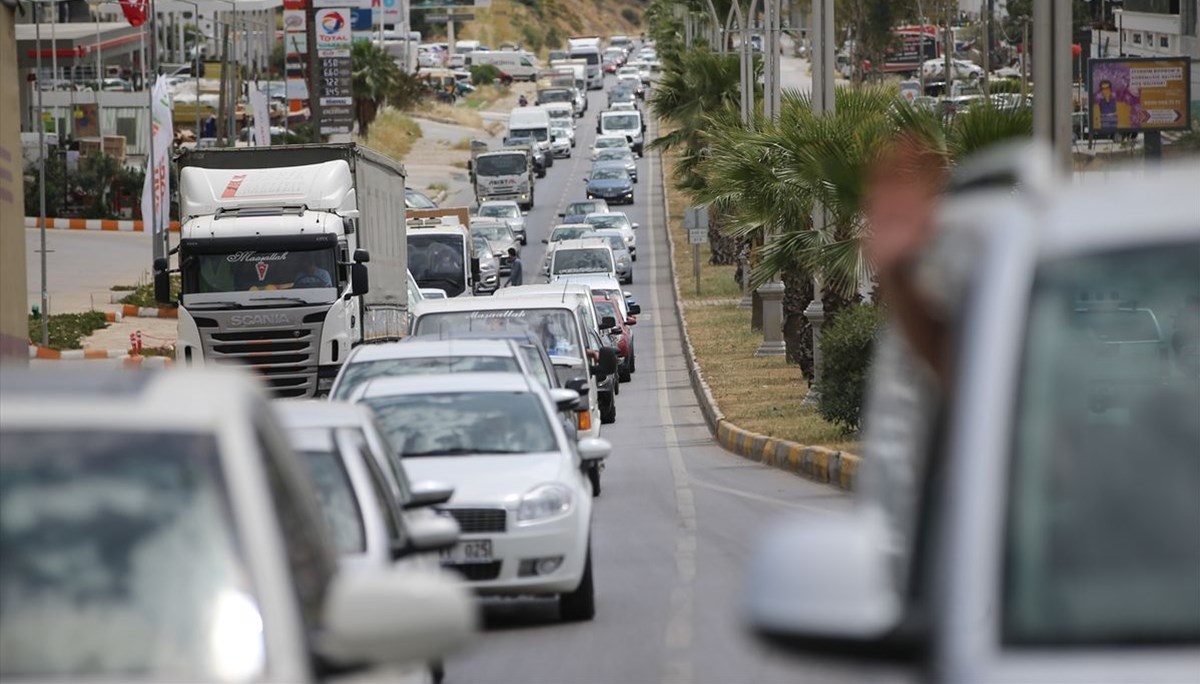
(562,152)
(622,196)
(565,538)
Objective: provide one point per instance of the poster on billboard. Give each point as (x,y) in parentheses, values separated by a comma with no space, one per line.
(1130,95)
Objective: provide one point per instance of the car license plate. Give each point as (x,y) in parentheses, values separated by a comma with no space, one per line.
(475,551)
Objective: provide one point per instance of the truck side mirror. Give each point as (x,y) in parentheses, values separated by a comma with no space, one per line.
(475,268)
(361,256)
(162,280)
(360,283)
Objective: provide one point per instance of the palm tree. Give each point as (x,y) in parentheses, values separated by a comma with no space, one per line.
(375,76)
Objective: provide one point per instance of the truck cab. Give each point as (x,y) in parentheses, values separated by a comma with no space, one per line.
(627,123)
(441,255)
(272,261)
(504,174)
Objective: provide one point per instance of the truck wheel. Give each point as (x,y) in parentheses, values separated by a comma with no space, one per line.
(608,414)
(541,173)
(580,605)
(626,374)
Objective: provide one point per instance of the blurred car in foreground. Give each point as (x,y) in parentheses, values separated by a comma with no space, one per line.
(521,495)
(157,526)
(1038,519)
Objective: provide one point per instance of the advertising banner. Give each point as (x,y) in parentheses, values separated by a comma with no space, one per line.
(1129,95)
(156,191)
(262,116)
(333,29)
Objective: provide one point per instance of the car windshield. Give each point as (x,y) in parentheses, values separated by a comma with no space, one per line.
(466,423)
(555,328)
(561,234)
(620,122)
(615,242)
(416,200)
(121,560)
(582,260)
(611,173)
(613,220)
(500,211)
(1103,540)
(497,232)
(606,308)
(501,165)
(482,246)
(582,208)
(614,154)
(337,499)
(607,143)
(355,374)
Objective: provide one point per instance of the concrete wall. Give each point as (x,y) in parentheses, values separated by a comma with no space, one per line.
(14,332)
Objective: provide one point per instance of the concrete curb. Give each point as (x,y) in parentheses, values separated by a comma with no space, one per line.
(817,463)
(93,224)
(131,311)
(135,361)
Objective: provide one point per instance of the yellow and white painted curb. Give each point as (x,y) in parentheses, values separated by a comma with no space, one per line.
(838,468)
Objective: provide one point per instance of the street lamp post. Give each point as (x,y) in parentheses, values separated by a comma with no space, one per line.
(41,125)
(772,291)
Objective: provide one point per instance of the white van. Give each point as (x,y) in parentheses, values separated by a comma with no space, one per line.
(626,123)
(519,65)
(560,113)
(531,121)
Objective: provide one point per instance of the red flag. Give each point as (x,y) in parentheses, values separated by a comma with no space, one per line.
(134,11)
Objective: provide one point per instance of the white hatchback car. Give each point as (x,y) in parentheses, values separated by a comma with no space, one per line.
(521,497)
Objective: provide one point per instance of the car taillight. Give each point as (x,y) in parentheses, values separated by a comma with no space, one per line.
(585,420)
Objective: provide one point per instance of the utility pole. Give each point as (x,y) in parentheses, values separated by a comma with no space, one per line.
(772,291)
(948,42)
(41,127)
(986,25)
(314,72)
(1052,76)
(823,95)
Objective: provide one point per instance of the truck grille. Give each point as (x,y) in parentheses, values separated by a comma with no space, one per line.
(479,520)
(287,358)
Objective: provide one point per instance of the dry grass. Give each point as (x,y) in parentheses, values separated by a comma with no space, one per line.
(393,134)
(511,21)
(463,145)
(760,394)
(449,114)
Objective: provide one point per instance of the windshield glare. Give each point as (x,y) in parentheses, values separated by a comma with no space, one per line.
(253,271)
(1104,520)
(468,423)
(355,374)
(501,165)
(584,260)
(555,328)
(120,560)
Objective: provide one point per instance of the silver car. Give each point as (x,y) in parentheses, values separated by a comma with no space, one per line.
(508,210)
(614,156)
(501,238)
(489,266)
(620,221)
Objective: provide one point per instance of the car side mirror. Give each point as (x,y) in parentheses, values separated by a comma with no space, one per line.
(439,617)
(593,450)
(608,323)
(426,534)
(635,226)
(825,587)
(584,180)
(360,282)
(565,399)
(546,241)
(579,384)
(631,321)
(429,493)
(635,309)
(560,215)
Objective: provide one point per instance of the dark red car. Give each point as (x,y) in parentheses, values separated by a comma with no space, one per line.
(621,336)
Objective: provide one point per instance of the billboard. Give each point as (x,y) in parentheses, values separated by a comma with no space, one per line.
(333,29)
(1129,95)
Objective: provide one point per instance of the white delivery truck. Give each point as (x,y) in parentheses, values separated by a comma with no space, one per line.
(503,174)
(519,65)
(273,256)
(627,123)
(441,253)
(588,49)
(578,68)
(531,123)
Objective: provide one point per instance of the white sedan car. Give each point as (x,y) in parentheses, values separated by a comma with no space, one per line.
(620,221)
(605,141)
(521,495)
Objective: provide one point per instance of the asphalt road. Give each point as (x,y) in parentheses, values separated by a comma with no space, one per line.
(676,521)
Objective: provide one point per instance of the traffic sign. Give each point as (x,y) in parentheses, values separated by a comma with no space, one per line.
(696,217)
(697,236)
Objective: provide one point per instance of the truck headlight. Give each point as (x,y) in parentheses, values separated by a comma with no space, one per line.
(545,502)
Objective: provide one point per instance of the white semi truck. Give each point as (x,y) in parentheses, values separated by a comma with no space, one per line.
(273,259)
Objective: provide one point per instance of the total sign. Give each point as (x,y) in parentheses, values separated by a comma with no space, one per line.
(333,29)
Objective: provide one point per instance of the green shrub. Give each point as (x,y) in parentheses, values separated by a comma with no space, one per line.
(1008,85)
(554,39)
(846,346)
(631,15)
(532,37)
(484,74)
(143,294)
(67,330)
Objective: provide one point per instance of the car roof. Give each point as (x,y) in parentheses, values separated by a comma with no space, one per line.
(577,225)
(555,289)
(421,347)
(594,281)
(459,304)
(121,399)
(582,243)
(320,413)
(608,232)
(450,383)
(606,213)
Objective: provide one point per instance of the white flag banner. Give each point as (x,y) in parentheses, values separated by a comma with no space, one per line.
(262,116)
(156,191)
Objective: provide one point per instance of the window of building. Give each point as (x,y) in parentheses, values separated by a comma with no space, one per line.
(1137,38)
(1164,41)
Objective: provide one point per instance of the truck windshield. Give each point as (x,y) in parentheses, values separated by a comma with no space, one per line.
(541,134)
(555,95)
(586,260)
(251,270)
(438,261)
(501,165)
(620,122)
(554,327)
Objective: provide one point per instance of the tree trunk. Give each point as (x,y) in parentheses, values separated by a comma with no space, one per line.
(364,111)
(724,247)
(797,333)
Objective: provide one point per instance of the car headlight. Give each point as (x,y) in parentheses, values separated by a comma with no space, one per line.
(545,502)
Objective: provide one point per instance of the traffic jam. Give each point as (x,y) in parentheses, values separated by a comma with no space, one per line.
(423,427)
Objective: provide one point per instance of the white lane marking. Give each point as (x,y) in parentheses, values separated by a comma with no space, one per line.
(678,637)
(760,498)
